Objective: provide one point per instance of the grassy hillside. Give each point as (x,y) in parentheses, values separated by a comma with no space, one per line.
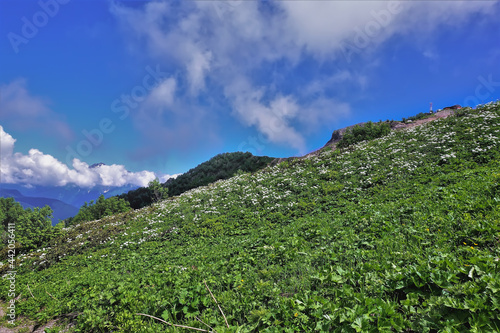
(398,234)
(222,166)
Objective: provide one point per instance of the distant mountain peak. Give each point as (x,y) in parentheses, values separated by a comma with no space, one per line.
(96,165)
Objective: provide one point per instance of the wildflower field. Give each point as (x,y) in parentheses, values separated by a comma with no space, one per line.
(396,234)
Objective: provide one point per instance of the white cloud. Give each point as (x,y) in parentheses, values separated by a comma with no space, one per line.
(37,168)
(164,178)
(197,69)
(27,112)
(161,97)
(322,26)
(319,26)
(6,143)
(17,100)
(324,112)
(272,119)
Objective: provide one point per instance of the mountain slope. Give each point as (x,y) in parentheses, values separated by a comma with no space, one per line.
(397,234)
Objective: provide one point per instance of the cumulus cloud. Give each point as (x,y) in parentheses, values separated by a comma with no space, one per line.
(323,112)
(6,143)
(37,168)
(179,40)
(271,119)
(320,27)
(27,112)
(197,69)
(228,43)
(162,97)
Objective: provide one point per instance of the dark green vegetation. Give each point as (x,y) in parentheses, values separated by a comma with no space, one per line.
(222,166)
(101,208)
(33,227)
(418,116)
(397,234)
(368,131)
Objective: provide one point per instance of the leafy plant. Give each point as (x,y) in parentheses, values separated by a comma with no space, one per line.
(157,190)
(28,227)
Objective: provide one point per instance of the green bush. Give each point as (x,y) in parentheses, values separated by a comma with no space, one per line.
(364,132)
(418,116)
(31,227)
(102,207)
(157,190)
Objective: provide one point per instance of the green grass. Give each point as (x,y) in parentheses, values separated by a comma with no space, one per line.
(397,234)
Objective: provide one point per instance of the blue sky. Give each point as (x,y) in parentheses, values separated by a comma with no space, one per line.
(155,88)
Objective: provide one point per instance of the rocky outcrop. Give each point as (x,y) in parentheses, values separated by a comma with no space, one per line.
(453,107)
(338,134)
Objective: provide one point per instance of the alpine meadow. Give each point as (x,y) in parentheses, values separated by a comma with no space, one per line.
(397,233)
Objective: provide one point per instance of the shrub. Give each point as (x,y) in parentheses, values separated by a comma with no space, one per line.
(102,207)
(364,132)
(32,227)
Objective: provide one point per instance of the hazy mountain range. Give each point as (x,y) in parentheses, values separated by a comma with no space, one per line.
(65,201)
